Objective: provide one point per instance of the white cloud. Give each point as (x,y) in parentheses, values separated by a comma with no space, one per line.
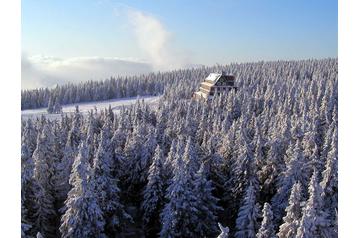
(44,71)
(155,40)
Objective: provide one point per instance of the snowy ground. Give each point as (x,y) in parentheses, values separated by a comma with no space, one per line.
(116,104)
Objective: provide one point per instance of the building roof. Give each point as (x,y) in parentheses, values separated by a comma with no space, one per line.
(213,77)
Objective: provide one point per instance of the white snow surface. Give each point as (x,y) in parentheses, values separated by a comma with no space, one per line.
(85,107)
(213,77)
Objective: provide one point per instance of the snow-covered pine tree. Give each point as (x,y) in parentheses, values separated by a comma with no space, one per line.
(169,161)
(295,172)
(134,162)
(45,219)
(63,168)
(178,217)
(314,221)
(206,205)
(83,216)
(106,187)
(29,136)
(90,137)
(162,119)
(329,181)
(267,229)
(246,221)
(50,105)
(148,151)
(57,108)
(154,193)
(293,213)
(27,167)
(190,157)
(245,171)
(270,170)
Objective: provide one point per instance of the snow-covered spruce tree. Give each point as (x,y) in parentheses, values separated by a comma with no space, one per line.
(162,120)
(169,161)
(215,165)
(45,219)
(190,157)
(293,213)
(83,216)
(29,136)
(154,193)
(90,137)
(244,174)
(27,167)
(148,151)
(314,221)
(246,221)
(179,216)
(57,108)
(50,105)
(270,170)
(295,172)
(329,181)
(134,163)
(207,204)
(64,166)
(233,106)
(267,229)
(106,186)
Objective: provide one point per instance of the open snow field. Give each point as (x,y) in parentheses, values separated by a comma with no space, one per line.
(85,107)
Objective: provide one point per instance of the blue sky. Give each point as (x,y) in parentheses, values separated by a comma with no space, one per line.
(180,32)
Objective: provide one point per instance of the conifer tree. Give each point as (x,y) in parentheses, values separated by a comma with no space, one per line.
(267,229)
(63,168)
(329,181)
(45,214)
(83,216)
(295,172)
(190,157)
(57,108)
(27,167)
(293,213)
(106,187)
(50,105)
(154,193)
(246,222)
(178,217)
(245,171)
(207,204)
(314,222)
(29,136)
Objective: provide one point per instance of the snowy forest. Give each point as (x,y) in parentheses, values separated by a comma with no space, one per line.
(260,162)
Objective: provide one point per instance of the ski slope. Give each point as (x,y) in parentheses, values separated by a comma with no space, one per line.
(85,107)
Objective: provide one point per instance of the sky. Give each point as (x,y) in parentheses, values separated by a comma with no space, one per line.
(71,41)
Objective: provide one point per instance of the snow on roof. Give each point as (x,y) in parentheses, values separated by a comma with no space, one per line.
(213,77)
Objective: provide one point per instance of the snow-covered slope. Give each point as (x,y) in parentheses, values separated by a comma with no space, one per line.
(116,104)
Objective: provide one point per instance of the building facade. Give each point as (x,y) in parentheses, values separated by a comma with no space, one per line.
(215,83)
